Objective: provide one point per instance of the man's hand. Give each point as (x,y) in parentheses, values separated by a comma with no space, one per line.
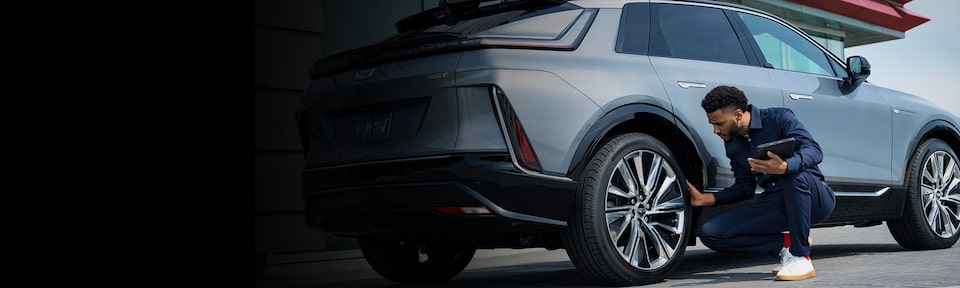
(774,165)
(700,199)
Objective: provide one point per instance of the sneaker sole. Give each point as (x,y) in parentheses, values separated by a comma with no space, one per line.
(797,277)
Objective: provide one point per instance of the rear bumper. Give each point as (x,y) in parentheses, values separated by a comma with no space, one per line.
(397,197)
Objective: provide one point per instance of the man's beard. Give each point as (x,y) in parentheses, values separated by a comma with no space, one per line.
(730,134)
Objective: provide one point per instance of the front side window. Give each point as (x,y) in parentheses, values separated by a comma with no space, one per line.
(693,32)
(785,49)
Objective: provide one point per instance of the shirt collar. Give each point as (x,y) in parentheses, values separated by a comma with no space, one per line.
(756,117)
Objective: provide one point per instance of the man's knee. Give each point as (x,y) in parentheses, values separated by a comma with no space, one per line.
(710,235)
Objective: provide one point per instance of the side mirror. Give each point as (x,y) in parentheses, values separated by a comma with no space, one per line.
(859,69)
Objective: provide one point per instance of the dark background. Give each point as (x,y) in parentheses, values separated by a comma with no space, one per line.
(289,35)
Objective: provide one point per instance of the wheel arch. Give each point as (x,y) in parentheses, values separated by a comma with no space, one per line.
(648,119)
(939,129)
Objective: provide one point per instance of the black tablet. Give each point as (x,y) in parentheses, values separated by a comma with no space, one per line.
(782,147)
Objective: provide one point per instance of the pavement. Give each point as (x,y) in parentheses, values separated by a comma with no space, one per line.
(843,257)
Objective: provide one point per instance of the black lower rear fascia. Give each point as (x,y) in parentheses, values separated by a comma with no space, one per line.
(399,195)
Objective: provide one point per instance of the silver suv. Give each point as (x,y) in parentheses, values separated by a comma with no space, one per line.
(574,125)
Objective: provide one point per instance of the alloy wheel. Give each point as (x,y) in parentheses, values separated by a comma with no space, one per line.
(940,193)
(645,210)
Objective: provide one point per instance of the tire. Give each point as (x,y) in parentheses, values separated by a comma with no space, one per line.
(930,217)
(407,262)
(648,225)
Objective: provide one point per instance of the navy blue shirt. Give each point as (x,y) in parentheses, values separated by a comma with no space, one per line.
(768,125)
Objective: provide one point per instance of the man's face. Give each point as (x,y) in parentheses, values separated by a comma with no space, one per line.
(725,123)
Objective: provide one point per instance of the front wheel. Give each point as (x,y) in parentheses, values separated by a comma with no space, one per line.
(931,217)
(408,262)
(632,219)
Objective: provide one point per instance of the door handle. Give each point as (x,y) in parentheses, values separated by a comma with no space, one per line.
(800,97)
(686,85)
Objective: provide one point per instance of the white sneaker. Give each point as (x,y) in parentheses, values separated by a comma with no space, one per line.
(796,268)
(784,255)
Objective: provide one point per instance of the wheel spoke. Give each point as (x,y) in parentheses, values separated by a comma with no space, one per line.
(667,184)
(946,221)
(927,200)
(671,229)
(937,165)
(618,210)
(636,161)
(619,192)
(674,205)
(628,179)
(637,240)
(926,189)
(651,181)
(954,186)
(954,198)
(948,173)
(627,218)
(953,213)
(929,176)
(661,246)
(932,214)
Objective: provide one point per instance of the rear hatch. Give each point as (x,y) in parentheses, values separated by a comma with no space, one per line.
(399,98)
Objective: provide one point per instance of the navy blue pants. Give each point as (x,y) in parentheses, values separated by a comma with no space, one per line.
(756,226)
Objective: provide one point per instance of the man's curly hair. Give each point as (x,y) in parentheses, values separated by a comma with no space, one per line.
(723,97)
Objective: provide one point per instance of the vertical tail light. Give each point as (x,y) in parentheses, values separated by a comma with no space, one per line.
(520,147)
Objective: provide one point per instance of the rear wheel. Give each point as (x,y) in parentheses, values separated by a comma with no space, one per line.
(931,217)
(409,262)
(632,219)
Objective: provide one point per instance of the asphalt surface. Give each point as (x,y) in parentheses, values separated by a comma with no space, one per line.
(842,256)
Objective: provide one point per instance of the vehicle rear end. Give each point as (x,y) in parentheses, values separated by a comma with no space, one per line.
(398,146)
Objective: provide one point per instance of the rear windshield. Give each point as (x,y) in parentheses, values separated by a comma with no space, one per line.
(544,23)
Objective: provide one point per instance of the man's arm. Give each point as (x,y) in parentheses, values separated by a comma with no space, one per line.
(744,187)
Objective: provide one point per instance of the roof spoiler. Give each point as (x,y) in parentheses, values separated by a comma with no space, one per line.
(452,11)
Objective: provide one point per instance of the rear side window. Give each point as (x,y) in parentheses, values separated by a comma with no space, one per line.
(693,32)
(634,29)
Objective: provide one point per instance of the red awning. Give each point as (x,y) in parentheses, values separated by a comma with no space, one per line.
(910,19)
(886,13)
